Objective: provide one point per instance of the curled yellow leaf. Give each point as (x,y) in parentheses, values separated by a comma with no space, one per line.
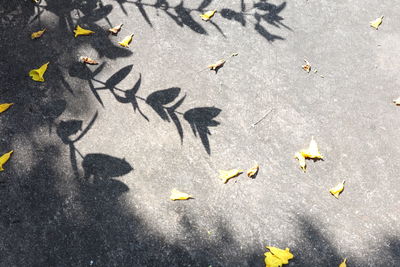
(208,15)
(272,260)
(335,191)
(312,151)
(4,158)
(126,41)
(277,257)
(302,160)
(284,255)
(38,34)
(343,264)
(226,175)
(5,106)
(376,22)
(81,31)
(252,173)
(178,195)
(37,74)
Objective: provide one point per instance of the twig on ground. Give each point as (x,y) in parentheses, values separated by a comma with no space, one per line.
(263,117)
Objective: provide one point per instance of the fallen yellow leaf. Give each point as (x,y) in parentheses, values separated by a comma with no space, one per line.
(178,195)
(5,106)
(126,41)
(272,260)
(284,255)
(37,74)
(335,191)
(217,64)
(397,101)
(81,31)
(277,257)
(252,173)
(88,60)
(226,175)
(116,29)
(302,160)
(208,15)
(312,151)
(376,23)
(38,34)
(343,264)
(307,66)
(4,158)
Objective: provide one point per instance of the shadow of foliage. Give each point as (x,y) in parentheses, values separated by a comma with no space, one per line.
(183,16)
(262,11)
(102,166)
(200,119)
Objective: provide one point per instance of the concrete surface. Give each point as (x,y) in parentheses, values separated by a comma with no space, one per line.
(98,148)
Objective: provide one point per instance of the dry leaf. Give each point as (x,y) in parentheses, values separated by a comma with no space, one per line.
(375,23)
(208,15)
(37,74)
(335,191)
(116,29)
(4,159)
(252,173)
(88,60)
(217,65)
(302,160)
(5,106)
(312,151)
(81,31)
(397,101)
(178,195)
(226,175)
(343,264)
(126,41)
(277,257)
(38,34)
(307,66)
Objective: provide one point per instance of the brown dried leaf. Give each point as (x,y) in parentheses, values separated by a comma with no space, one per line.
(252,173)
(307,66)
(88,60)
(116,29)
(217,64)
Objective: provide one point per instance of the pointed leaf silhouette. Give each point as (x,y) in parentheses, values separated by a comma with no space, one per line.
(158,99)
(130,97)
(187,19)
(104,166)
(174,117)
(204,4)
(143,12)
(233,15)
(54,109)
(200,119)
(117,77)
(67,128)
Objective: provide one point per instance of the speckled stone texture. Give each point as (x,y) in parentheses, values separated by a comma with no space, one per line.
(99,148)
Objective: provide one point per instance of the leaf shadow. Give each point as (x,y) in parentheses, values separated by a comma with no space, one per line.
(200,119)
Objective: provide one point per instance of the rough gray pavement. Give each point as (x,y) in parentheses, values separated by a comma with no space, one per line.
(99,148)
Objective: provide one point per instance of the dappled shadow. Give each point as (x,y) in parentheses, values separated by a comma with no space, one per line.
(261,11)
